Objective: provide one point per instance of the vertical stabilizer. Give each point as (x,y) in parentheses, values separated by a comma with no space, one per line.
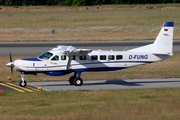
(164,41)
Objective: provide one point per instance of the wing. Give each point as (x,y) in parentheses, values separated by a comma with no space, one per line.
(76,52)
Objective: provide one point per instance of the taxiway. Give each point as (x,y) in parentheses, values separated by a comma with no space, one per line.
(36,48)
(110,84)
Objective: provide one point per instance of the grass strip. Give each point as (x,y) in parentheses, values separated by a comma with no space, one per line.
(108,23)
(131,104)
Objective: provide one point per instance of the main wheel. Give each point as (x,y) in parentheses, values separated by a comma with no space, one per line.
(78,81)
(22,83)
(71,80)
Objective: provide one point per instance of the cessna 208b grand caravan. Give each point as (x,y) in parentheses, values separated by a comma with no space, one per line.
(63,60)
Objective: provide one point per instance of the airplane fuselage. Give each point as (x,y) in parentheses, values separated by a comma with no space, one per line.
(97,60)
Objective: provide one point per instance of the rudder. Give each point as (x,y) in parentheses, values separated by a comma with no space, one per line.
(164,41)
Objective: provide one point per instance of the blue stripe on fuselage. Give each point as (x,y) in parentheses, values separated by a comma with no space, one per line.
(31,59)
(57,73)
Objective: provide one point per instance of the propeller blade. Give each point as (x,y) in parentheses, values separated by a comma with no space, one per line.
(10,57)
(12,70)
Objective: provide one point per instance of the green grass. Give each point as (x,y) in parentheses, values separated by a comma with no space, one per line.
(108,23)
(133,104)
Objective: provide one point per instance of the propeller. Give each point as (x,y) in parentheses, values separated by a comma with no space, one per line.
(11,63)
(10,57)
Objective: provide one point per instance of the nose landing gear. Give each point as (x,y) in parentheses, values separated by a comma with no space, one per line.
(22,83)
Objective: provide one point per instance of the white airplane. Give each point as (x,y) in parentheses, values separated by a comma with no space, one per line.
(63,60)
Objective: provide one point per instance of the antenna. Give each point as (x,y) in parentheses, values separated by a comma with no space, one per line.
(125,48)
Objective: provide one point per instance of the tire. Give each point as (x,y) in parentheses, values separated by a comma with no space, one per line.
(71,80)
(22,84)
(78,81)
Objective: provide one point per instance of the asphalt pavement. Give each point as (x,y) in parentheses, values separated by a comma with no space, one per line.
(36,48)
(110,84)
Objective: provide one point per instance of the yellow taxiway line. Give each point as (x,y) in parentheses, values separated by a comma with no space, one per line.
(28,88)
(32,87)
(19,87)
(14,88)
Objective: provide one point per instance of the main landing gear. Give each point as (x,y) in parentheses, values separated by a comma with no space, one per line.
(76,79)
(22,83)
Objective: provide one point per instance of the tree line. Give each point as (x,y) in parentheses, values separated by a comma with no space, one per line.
(80,2)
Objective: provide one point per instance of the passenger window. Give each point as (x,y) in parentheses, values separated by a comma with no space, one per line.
(55,58)
(119,57)
(82,57)
(102,57)
(94,57)
(110,57)
(74,57)
(63,57)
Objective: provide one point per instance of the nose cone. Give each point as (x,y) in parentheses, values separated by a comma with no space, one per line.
(10,64)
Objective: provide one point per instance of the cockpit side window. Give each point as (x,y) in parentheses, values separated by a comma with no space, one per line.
(63,57)
(45,55)
(55,58)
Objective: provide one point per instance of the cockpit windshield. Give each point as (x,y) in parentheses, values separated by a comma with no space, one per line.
(45,56)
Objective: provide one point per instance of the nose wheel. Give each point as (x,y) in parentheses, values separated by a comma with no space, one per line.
(22,83)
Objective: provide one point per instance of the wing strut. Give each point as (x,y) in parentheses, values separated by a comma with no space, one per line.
(76,52)
(69,61)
